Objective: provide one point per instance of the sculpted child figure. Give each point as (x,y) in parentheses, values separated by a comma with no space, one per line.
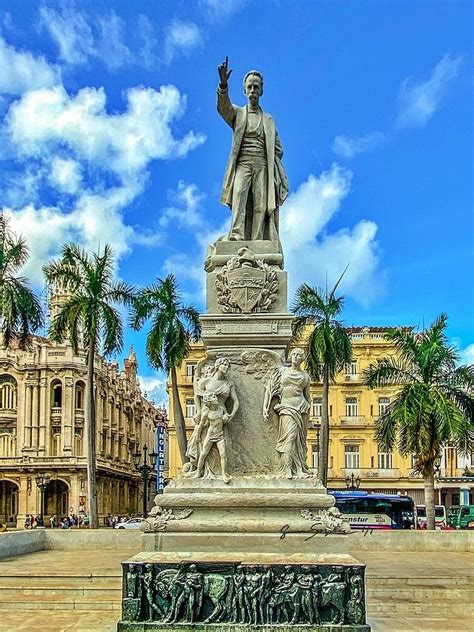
(214,417)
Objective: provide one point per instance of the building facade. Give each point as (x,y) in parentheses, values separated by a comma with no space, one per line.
(353,409)
(42,400)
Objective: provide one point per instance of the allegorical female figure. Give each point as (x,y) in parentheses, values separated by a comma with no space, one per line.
(290,385)
(216,382)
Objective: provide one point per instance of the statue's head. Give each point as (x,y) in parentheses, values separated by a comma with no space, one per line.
(210,400)
(297,355)
(221,365)
(253,86)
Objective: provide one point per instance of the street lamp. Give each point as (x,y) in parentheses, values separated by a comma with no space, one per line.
(42,481)
(145,469)
(352,482)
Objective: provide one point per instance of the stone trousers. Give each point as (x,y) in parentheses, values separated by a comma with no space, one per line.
(252,174)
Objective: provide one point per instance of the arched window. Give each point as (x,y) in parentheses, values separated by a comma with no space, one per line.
(80,396)
(78,447)
(8,390)
(57,394)
(56,444)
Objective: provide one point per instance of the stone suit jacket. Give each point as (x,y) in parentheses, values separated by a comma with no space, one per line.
(236,117)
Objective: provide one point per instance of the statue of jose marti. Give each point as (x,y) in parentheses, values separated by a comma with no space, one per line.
(255,182)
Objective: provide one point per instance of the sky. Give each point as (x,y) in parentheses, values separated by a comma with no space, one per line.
(109,134)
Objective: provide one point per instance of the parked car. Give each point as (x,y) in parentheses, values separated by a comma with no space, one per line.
(131,523)
(461,516)
(440,516)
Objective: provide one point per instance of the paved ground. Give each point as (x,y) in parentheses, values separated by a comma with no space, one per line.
(60,567)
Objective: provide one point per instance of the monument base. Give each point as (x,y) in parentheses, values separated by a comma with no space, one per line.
(242,591)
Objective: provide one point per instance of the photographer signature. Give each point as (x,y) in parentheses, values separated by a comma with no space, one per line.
(315,529)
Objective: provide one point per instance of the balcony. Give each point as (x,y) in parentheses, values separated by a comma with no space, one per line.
(353,420)
(56,415)
(7,415)
(352,377)
(372,472)
(39,462)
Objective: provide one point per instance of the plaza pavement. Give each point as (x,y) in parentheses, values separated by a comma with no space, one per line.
(80,590)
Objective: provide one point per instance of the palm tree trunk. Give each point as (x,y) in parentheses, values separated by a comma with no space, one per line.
(91,441)
(324,431)
(429,497)
(179,423)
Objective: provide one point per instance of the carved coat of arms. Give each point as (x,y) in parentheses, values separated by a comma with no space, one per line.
(246,284)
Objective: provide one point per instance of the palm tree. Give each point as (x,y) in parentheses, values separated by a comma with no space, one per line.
(89,319)
(173,327)
(329,348)
(20,309)
(433,406)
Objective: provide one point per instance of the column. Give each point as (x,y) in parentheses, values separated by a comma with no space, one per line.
(35,416)
(44,414)
(68,415)
(27,416)
(464,496)
(23,497)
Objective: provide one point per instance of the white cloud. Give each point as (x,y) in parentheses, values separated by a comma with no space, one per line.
(65,174)
(181,38)
(44,119)
(312,253)
(21,71)
(155,387)
(466,355)
(146,33)
(221,9)
(58,137)
(418,101)
(186,207)
(348,146)
(80,37)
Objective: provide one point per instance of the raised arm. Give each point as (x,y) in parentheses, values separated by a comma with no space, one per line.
(224,106)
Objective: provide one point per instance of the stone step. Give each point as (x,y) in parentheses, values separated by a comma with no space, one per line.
(395,582)
(73,581)
(464,594)
(57,602)
(429,608)
(420,624)
(114,594)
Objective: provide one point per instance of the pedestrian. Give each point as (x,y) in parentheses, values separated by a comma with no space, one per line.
(52,521)
(27,522)
(85,521)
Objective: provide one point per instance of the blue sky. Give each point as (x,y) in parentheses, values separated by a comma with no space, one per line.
(109,133)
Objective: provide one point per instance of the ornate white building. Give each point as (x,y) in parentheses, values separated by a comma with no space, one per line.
(42,398)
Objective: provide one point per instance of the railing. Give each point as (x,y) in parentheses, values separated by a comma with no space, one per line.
(451,472)
(372,472)
(352,377)
(42,461)
(413,474)
(354,420)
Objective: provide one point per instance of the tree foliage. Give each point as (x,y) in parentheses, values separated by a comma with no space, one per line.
(20,309)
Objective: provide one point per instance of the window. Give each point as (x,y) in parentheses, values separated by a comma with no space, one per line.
(57,401)
(79,397)
(317,406)
(190,408)
(7,393)
(191,369)
(56,444)
(78,445)
(351,368)
(351,407)
(7,444)
(384,403)
(315,456)
(351,457)
(385,460)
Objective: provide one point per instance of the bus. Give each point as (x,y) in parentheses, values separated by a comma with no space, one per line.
(440,516)
(365,510)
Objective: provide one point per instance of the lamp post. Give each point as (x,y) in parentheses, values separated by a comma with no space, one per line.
(437,475)
(145,468)
(42,481)
(352,482)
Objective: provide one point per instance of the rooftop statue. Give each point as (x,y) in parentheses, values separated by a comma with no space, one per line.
(255,182)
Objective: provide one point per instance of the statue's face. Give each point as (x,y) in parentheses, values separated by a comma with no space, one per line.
(297,356)
(223,368)
(253,89)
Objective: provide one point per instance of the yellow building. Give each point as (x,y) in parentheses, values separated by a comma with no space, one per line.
(42,396)
(353,409)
